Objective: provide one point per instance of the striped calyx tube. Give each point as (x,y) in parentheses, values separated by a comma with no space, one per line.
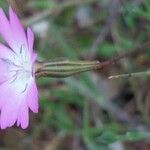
(61,68)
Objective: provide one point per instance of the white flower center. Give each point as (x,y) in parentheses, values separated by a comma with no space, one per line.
(20,69)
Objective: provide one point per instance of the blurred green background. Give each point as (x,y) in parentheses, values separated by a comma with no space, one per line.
(87,111)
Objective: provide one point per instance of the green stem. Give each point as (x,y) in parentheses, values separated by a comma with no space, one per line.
(135,74)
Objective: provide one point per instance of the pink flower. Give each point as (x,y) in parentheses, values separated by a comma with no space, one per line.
(18,91)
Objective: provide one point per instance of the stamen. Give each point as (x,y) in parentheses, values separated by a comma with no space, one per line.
(22,49)
(7,61)
(13,51)
(25,88)
(15,77)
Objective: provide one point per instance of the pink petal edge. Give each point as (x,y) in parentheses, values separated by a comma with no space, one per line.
(32,97)
(5,29)
(17,30)
(30,37)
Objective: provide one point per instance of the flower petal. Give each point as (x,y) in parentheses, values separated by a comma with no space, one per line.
(23,116)
(17,30)
(5,52)
(4,94)
(34,56)
(10,101)
(30,37)
(5,30)
(32,97)
(3,72)
(13,107)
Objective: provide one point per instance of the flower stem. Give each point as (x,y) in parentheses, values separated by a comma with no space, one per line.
(135,74)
